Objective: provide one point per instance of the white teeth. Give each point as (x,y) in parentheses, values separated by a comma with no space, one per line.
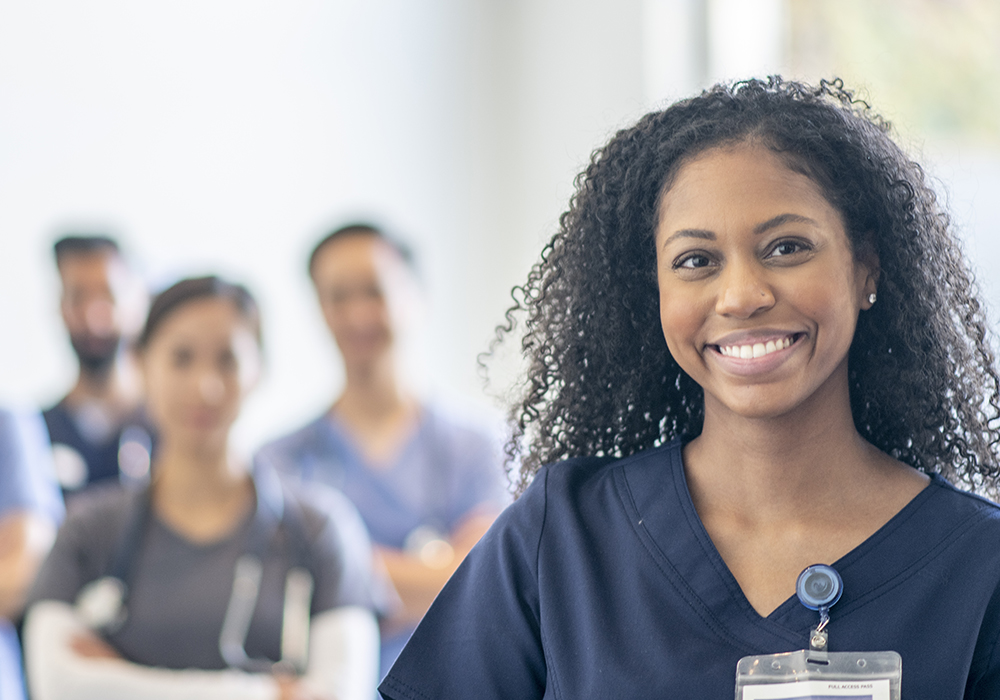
(746,352)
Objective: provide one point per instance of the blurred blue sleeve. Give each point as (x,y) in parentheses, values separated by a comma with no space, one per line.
(27,477)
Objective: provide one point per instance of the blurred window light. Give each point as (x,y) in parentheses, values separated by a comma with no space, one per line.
(746,38)
(932,67)
(674,49)
(933,64)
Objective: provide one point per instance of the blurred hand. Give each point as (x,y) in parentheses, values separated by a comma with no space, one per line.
(93,647)
(291,688)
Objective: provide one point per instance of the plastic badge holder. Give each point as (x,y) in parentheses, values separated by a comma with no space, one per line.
(817,675)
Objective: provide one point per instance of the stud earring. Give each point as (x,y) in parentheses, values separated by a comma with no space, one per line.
(872,298)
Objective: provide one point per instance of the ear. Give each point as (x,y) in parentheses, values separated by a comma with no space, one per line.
(251,376)
(64,309)
(251,362)
(138,357)
(870,271)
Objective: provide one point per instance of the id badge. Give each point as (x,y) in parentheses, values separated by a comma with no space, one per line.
(818,675)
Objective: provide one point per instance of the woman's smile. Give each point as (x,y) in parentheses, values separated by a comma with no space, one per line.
(756,356)
(758,347)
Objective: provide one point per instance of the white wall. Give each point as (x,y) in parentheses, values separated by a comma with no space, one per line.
(227,136)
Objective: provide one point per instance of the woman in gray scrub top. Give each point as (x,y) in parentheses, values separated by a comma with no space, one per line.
(214,582)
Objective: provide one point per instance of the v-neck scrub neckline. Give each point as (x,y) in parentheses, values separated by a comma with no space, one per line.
(714,588)
(397,459)
(601,582)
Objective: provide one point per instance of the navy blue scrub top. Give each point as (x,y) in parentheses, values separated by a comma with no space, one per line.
(601,582)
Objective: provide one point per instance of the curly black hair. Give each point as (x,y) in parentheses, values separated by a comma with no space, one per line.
(601,380)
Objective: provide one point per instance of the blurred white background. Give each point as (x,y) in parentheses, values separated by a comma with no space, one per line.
(229,135)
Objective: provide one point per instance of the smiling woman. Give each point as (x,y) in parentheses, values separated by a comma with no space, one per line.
(754,346)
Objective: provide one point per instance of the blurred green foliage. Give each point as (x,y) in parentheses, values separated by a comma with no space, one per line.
(935,61)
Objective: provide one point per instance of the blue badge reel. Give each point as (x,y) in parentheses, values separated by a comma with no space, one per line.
(817,672)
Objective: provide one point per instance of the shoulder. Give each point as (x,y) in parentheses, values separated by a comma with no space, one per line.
(87,542)
(56,410)
(22,433)
(321,507)
(27,476)
(589,476)
(463,423)
(102,510)
(951,505)
(325,520)
(588,488)
(338,548)
(465,442)
(296,442)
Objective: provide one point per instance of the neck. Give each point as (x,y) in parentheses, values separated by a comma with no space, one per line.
(197,474)
(202,496)
(779,467)
(373,393)
(380,415)
(108,388)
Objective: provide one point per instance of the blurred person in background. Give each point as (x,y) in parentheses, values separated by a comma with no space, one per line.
(427,482)
(30,509)
(98,430)
(215,581)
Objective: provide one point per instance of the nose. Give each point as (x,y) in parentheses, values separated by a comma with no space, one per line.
(99,317)
(744,291)
(211,388)
(359,310)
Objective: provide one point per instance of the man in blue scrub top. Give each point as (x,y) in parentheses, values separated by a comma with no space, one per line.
(427,479)
(30,510)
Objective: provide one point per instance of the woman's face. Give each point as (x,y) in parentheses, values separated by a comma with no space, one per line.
(759,289)
(197,367)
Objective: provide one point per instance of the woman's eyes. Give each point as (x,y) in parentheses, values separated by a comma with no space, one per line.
(225,360)
(785,250)
(182,358)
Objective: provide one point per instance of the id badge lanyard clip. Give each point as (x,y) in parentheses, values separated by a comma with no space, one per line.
(817,672)
(819,587)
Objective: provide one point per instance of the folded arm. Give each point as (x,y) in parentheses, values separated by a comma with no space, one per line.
(418,579)
(65,662)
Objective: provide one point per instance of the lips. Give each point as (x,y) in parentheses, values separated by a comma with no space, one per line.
(204,419)
(751,356)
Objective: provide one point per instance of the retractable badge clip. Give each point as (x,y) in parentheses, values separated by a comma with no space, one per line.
(819,587)
(816,672)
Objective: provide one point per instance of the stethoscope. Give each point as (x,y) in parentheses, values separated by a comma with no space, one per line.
(103,603)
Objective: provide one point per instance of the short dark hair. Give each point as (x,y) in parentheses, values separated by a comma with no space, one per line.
(363,228)
(83,244)
(601,380)
(195,289)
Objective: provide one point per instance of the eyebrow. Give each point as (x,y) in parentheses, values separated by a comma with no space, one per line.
(775,222)
(782,219)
